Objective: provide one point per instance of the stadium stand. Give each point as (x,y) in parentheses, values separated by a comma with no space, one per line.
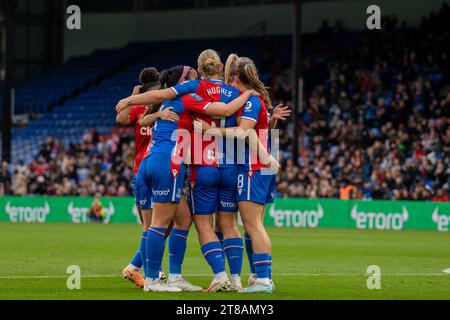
(86,102)
(375,122)
(378,127)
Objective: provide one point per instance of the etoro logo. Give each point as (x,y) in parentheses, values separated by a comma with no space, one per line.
(442,221)
(81,214)
(297,218)
(161,192)
(379,220)
(27,214)
(229,205)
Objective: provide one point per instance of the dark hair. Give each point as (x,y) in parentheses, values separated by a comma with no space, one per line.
(171,77)
(149,79)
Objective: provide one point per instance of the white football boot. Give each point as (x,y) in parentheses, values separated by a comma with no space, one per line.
(184,285)
(158,285)
(236,284)
(220,283)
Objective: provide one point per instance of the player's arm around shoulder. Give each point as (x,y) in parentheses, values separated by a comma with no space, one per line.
(124,116)
(219,109)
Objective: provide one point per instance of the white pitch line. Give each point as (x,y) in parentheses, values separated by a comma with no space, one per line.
(277,275)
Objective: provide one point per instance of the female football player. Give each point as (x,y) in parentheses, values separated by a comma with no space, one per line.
(280,112)
(149,79)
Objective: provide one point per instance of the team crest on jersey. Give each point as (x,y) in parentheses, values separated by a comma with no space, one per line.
(196,97)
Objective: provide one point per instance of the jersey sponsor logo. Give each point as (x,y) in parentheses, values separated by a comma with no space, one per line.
(145,131)
(161,192)
(229,205)
(81,214)
(248,106)
(196,97)
(297,218)
(26,213)
(442,221)
(379,220)
(219,90)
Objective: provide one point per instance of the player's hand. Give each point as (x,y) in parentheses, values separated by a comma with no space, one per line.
(273,164)
(253,92)
(201,126)
(122,105)
(169,115)
(136,90)
(281,112)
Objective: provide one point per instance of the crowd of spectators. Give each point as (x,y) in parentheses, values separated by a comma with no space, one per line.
(98,165)
(377,128)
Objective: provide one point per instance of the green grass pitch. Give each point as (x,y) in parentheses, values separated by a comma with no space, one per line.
(307,264)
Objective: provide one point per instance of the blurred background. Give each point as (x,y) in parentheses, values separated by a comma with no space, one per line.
(371,107)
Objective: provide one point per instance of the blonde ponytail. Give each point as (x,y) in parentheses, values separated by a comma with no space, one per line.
(230,68)
(209,64)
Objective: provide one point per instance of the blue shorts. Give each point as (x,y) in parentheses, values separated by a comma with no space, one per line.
(212,189)
(256,186)
(142,195)
(164,179)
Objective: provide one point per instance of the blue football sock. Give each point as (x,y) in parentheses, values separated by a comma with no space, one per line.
(234,249)
(249,250)
(154,245)
(177,249)
(137,260)
(220,237)
(213,253)
(270,267)
(262,263)
(143,250)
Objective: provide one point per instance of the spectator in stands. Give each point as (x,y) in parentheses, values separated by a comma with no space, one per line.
(441,196)
(96,213)
(21,182)
(5,178)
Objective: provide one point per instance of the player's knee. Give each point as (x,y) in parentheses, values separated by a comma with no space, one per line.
(253,228)
(228,227)
(160,221)
(203,225)
(183,225)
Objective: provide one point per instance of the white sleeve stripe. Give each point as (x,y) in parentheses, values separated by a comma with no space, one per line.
(206,107)
(248,118)
(175,90)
